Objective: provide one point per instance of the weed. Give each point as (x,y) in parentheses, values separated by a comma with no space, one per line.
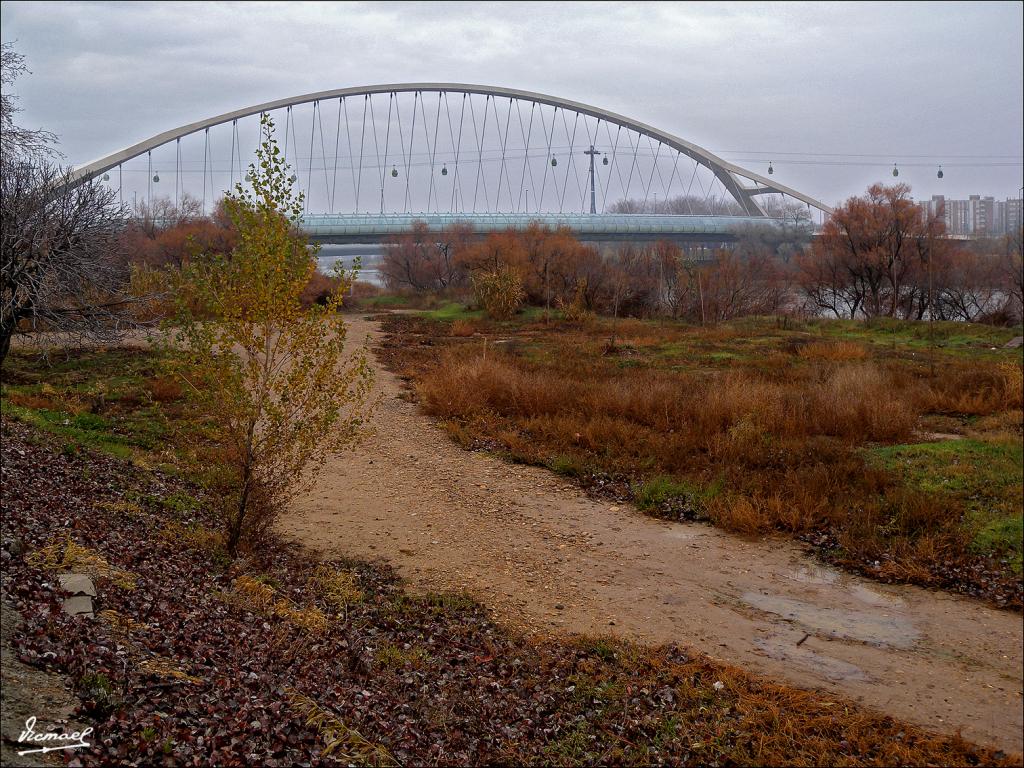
(253,595)
(675,498)
(339,587)
(341,741)
(198,537)
(605,648)
(572,747)
(392,657)
(99,693)
(570,466)
(450,601)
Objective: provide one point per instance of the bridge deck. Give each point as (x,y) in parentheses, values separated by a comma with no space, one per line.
(358,228)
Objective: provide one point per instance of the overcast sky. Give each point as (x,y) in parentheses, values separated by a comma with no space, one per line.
(909,83)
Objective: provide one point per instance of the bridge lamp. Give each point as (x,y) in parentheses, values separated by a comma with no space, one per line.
(106,177)
(895,170)
(940,174)
(554,162)
(444,170)
(394,171)
(604,160)
(770,169)
(156,177)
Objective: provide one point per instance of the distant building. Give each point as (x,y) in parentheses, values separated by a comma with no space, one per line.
(978,216)
(1013,218)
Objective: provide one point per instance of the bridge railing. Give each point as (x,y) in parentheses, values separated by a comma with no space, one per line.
(583,224)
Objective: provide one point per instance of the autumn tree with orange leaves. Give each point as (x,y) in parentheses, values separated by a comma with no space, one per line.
(870,254)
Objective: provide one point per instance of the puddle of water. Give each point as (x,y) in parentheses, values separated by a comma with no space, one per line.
(817,574)
(680,533)
(871,597)
(801,656)
(865,626)
(814,574)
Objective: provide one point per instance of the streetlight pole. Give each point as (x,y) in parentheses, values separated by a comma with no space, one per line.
(593,195)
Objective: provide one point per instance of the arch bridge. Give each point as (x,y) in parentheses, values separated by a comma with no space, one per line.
(371,160)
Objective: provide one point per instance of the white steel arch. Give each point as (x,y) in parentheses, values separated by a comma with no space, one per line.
(728,173)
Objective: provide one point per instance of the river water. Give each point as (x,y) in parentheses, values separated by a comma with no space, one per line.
(369,255)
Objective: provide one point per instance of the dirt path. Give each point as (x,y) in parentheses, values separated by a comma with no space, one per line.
(546,558)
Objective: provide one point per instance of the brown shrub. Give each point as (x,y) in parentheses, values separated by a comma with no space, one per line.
(973,389)
(462,328)
(164,389)
(860,402)
(1012,384)
(498,291)
(319,289)
(739,514)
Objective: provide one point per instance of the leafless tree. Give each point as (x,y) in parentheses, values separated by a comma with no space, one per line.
(682,205)
(15,141)
(59,254)
(1012,271)
(163,213)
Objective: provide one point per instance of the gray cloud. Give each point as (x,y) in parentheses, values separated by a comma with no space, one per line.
(892,78)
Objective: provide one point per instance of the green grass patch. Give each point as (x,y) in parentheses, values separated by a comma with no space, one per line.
(96,399)
(568,465)
(987,476)
(954,338)
(662,491)
(385,301)
(77,432)
(453,310)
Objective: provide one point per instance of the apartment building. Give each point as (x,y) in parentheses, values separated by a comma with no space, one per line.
(977,215)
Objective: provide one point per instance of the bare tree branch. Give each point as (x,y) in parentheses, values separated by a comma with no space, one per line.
(15,141)
(61,255)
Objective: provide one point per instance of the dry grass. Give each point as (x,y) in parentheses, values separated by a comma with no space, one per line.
(159,666)
(121,625)
(254,595)
(339,587)
(194,536)
(341,742)
(462,328)
(28,400)
(727,415)
(836,351)
(66,555)
(970,389)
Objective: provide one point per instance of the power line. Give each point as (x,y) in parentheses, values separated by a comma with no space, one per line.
(875,154)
